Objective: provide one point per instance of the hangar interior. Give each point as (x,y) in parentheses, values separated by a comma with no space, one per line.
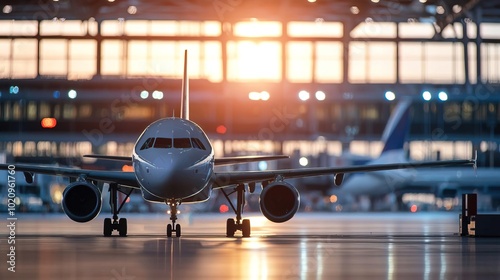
(300,77)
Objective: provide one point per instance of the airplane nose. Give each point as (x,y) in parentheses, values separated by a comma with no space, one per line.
(172,180)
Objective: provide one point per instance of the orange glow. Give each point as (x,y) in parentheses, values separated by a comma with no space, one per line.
(223,208)
(127,168)
(413,208)
(49,122)
(250,60)
(256,28)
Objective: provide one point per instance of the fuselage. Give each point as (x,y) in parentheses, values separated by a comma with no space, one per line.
(173,160)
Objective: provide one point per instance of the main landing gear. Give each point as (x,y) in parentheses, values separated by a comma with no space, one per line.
(231,225)
(173,217)
(117,224)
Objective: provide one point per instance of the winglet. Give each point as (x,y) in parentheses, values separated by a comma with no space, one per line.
(185,91)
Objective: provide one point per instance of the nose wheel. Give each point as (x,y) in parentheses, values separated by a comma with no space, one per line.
(173,217)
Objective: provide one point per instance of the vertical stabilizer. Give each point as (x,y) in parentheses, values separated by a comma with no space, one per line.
(397,127)
(185,91)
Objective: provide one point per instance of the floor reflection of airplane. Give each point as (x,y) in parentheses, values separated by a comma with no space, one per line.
(174,163)
(444,182)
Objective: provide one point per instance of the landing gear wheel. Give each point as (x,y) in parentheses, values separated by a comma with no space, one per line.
(245,228)
(178,230)
(108,228)
(230,227)
(122,227)
(169,230)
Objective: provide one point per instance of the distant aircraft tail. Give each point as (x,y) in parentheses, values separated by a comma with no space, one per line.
(397,127)
(185,91)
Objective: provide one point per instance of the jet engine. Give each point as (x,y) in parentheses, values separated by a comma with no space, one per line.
(81,201)
(279,201)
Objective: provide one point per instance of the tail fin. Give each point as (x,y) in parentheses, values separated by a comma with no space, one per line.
(185,91)
(397,127)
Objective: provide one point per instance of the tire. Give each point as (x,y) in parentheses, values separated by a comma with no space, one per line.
(246,228)
(230,227)
(122,225)
(178,230)
(169,230)
(108,229)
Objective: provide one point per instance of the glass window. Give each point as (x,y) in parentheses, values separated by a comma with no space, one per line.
(53,57)
(5,55)
(112,57)
(372,29)
(25,28)
(24,53)
(249,60)
(257,28)
(329,62)
(198,144)
(164,143)
(82,59)
(148,144)
(182,143)
(299,61)
(318,28)
(372,62)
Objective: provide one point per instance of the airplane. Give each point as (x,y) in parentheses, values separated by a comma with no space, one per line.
(173,162)
(443,182)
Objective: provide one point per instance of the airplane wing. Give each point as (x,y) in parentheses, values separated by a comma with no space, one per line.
(218,161)
(225,179)
(243,159)
(119,177)
(117,158)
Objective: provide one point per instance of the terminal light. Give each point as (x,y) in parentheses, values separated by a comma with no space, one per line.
(426,95)
(157,94)
(7,9)
(354,10)
(443,96)
(221,129)
(253,95)
(14,90)
(303,95)
(320,95)
(389,95)
(303,161)
(264,95)
(49,122)
(262,165)
(72,93)
(144,94)
(132,10)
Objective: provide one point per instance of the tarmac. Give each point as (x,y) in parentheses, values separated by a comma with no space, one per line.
(310,246)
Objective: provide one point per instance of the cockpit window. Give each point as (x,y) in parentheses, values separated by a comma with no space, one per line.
(198,144)
(167,143)
(163,143)
(148,144)
(182,143)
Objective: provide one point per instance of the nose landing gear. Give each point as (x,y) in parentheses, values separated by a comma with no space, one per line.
(173,217)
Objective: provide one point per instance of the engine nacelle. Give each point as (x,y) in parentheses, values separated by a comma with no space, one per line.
(279,201)
(81,201)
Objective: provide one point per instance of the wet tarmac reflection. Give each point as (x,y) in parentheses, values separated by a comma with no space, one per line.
(269,254)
